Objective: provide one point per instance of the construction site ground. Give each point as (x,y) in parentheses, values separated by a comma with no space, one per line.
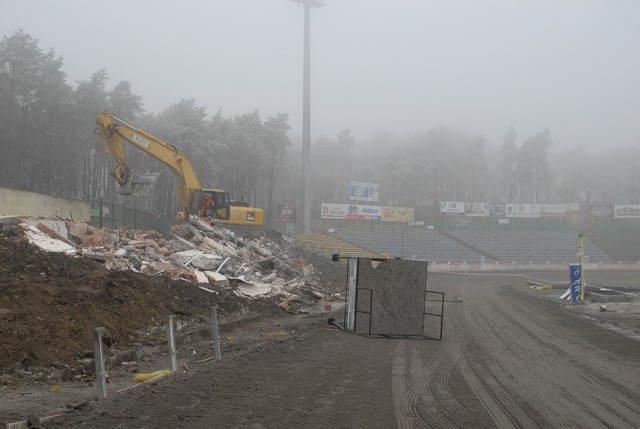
(512,355)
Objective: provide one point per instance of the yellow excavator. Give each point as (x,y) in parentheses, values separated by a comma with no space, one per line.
(212,205)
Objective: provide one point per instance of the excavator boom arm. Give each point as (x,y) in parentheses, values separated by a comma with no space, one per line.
(112,130)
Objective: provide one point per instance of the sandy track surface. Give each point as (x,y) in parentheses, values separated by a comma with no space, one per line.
(508,359)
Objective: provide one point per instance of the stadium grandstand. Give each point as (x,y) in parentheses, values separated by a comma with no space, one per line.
(446,243)
(500,233)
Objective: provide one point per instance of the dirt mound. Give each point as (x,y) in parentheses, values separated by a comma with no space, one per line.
(50,303)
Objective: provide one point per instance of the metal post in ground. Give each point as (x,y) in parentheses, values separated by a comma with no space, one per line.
(101,378)
(216,335)
(172,345)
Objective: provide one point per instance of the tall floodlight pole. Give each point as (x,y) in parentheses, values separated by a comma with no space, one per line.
(306,117)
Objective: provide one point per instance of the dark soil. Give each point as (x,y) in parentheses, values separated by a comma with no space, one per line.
(50,304)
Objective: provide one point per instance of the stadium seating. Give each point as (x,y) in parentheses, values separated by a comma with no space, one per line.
(470,246)
(328,245)
(529,246)
(620,246)
(418,244)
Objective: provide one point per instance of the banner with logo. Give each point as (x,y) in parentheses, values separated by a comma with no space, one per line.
(553,210)
(498,209)
(627,211)
(452,207)
(360,191)
(358,212)
(477,209)
(397,214)
(523,210)
(575,280)
(601,211)
(333,211)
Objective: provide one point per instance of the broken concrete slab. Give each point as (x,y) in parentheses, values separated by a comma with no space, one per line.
(201,277)
(197,259)
(252,288)
(217,278)
(43,241)
(268,278)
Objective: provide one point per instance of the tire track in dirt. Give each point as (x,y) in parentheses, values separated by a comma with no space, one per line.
(548,374)
(424,386)
(474,363)
(554,392)
(482,369)
(599,391)
(534,370)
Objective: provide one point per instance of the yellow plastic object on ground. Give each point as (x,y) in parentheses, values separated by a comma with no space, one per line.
(144,377)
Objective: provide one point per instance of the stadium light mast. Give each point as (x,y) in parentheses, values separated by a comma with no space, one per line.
(306,116)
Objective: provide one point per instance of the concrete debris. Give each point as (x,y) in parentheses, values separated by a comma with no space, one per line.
(211,257)
(217,279)
(45,242)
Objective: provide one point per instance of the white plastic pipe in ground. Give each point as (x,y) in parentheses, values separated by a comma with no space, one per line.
(216,335)
(172,345)
(101,378)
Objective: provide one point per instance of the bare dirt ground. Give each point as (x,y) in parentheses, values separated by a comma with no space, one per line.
(511,356)
(50,304)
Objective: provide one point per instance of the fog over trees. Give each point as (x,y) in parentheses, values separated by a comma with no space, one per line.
(48,145)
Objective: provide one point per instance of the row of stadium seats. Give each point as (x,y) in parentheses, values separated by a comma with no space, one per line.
(475,246)
(419,244)
(522,246)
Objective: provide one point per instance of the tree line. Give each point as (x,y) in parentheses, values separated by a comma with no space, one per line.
(48,145)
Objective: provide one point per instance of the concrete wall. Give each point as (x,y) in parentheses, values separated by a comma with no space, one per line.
(22,203)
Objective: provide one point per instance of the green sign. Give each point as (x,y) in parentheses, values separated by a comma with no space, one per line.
(94,212)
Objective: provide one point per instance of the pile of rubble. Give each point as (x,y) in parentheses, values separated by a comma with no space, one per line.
(213,258)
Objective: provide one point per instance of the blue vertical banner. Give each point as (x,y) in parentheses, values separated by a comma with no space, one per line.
(575,280)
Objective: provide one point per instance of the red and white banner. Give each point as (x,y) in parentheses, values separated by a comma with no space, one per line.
(333,211)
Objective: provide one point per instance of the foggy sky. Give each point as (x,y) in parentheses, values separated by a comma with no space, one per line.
(572,66)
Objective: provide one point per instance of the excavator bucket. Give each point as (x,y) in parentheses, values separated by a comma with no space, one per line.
(139,185)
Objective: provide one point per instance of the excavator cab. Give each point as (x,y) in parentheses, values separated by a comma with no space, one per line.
(210,204)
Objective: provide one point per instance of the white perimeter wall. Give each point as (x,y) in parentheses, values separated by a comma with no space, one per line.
(523,266)
(22,203)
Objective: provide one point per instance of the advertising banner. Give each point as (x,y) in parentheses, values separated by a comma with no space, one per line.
(477,209)
(397,214)
(498,209)
(452,207)
(357,212)
(523,210)
(627,211)
(286,213)
(553,210)
(365,212)
(575,280)
(360,191)
(333,211)
(601,211)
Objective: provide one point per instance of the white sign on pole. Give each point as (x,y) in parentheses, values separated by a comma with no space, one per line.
(360,191)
